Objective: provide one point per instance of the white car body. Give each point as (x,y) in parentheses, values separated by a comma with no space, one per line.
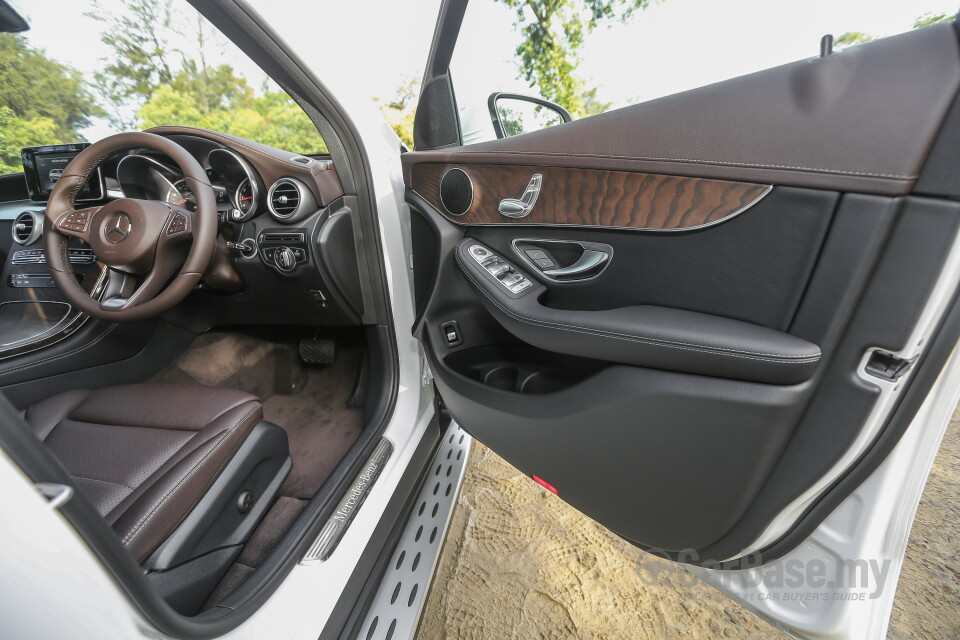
(63,590)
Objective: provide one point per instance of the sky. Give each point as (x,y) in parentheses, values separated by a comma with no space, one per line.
(377,45)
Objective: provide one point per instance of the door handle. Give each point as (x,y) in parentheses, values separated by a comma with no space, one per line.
(522,206)
(589,260)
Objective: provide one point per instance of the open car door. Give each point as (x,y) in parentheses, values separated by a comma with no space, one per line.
(722,323)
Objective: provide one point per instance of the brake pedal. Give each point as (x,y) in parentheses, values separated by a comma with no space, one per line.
(318,352)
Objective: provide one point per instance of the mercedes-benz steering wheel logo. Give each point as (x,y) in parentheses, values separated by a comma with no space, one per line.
(117,228)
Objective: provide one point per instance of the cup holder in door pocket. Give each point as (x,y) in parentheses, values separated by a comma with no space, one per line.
(522,369)
(503,377)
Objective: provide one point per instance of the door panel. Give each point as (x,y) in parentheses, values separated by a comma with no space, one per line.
(752,267)
(642,335)
(707,386)
(862,120)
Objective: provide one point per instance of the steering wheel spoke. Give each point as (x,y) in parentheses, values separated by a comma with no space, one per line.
(77,223)
(154,282)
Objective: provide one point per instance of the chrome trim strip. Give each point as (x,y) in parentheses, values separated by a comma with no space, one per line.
(473,191)
(251,176)
(296,185)
(69,326)
(38,218)
(165,167)
(332,532)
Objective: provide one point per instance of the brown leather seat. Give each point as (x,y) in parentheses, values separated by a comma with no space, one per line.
(145,454)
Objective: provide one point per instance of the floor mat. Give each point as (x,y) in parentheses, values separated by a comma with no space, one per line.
(320,426)
(310,403)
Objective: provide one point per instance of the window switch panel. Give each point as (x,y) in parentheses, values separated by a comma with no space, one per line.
(501,270)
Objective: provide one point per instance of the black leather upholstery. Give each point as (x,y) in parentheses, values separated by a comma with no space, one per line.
(648,336)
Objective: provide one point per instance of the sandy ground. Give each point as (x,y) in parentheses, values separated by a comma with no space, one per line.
(518,563)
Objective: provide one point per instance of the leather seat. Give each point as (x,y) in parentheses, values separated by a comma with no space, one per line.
(145,454)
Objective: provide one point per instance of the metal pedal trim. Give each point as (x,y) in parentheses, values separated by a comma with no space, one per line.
(396,608)
(337,525)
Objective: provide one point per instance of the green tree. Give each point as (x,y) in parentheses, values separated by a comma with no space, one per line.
(34,86)
(154,80)
(16,133)
(593,105)
(400,109)
(851,38)
(41,101)
(272,118)
(932,18)
(140,37)
(553,32)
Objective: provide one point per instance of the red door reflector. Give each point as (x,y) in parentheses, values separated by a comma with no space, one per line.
(546,485)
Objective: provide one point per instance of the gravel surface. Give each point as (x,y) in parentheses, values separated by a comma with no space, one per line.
(518,563)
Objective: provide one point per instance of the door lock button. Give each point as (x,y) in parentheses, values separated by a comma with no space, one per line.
(545,263)
(451,333)
(536,254)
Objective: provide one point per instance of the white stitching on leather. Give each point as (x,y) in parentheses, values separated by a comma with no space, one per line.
(23,367)
(751,355)
(100,421)
(693,161)
(189,473)
(73,475)
(169,493)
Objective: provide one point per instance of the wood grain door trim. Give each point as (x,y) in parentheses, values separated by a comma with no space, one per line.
(593,198)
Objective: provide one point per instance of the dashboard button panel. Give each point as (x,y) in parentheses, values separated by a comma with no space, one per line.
(283,249)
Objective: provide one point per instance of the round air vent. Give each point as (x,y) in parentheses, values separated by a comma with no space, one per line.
(456,191)
(27,227)
(290,200)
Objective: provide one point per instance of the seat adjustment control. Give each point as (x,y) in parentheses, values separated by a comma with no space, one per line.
(505,274)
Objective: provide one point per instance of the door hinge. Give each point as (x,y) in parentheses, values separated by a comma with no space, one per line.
(56,494)
(887,366)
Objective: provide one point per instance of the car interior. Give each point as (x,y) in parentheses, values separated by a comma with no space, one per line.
(680,316)
(684,316)
(200,425)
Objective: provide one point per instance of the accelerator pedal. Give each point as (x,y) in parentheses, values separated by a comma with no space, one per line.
(318,352)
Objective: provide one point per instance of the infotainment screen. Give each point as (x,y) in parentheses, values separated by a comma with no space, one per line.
(43,166)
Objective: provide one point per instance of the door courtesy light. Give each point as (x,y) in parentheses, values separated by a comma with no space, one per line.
(546,485)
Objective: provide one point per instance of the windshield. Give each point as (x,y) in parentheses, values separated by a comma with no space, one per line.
(143,63)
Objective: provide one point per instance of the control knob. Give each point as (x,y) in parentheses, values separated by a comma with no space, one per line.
(286,259)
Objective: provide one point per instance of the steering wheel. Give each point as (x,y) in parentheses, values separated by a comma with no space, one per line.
(141,241)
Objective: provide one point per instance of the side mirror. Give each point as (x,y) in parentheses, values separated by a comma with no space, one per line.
(513,114)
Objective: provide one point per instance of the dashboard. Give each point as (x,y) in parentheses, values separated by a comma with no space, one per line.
(286,251)
(241,191)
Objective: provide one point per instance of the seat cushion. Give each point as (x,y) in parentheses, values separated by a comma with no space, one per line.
(145,454)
